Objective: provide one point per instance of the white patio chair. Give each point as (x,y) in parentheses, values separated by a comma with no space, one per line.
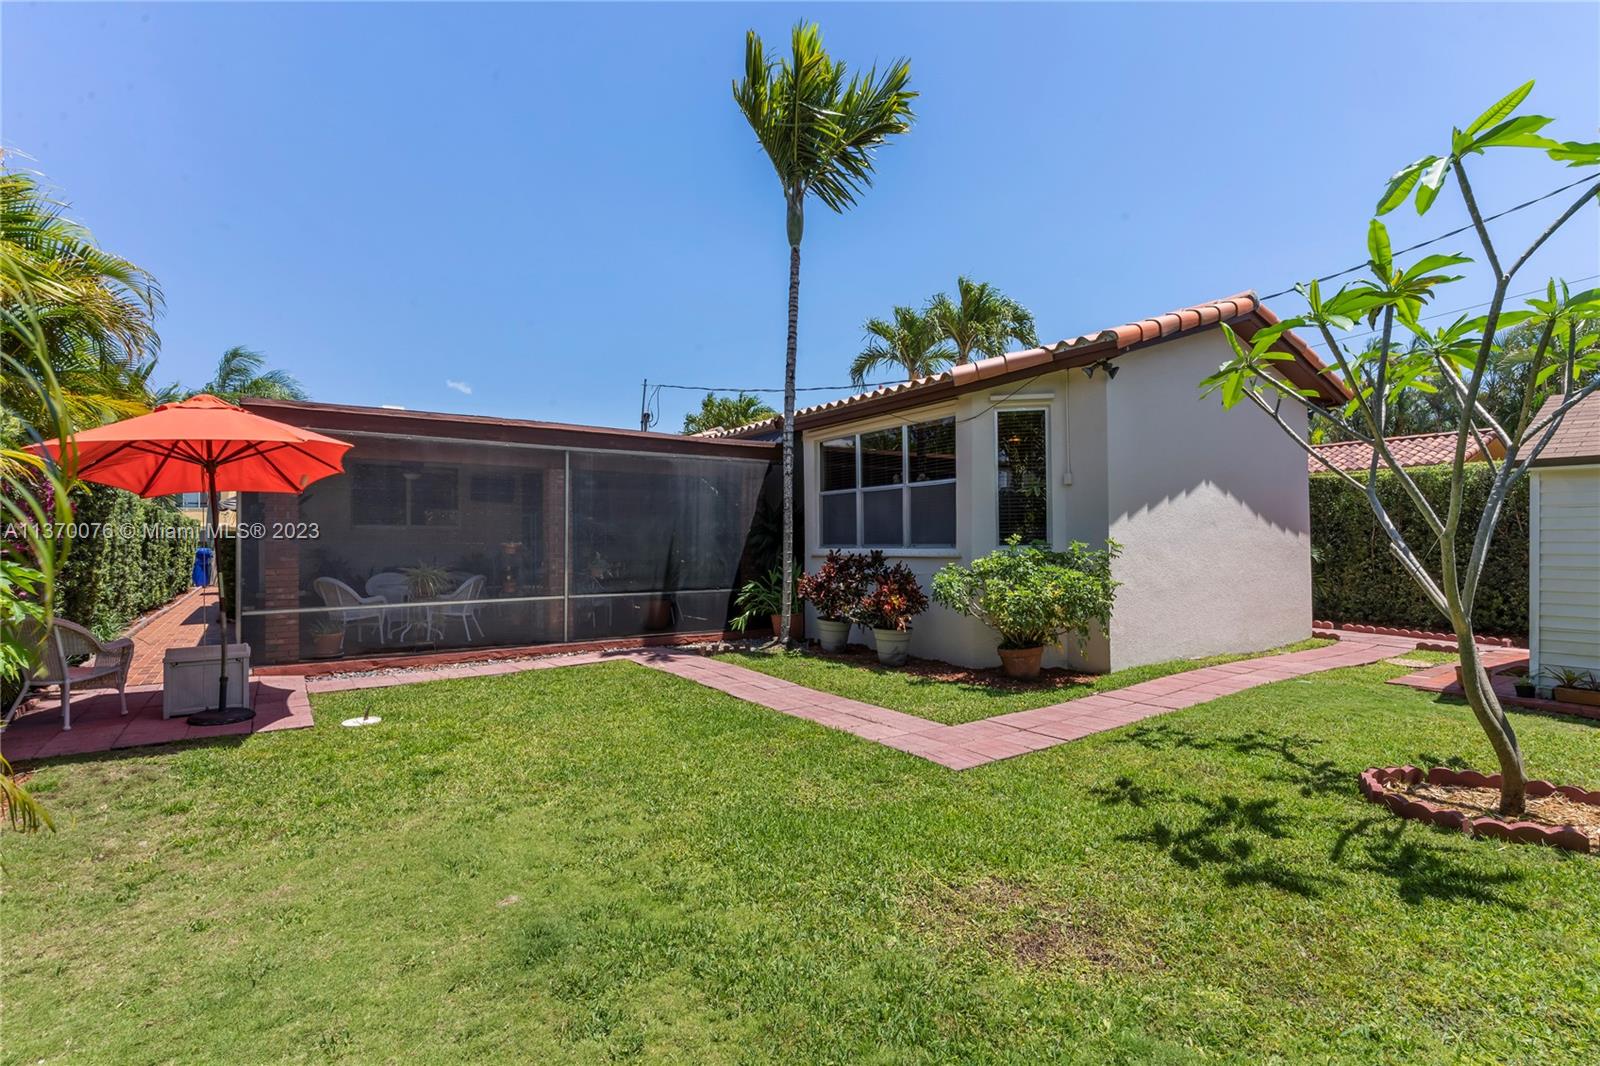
(455,605)
(354,609)
(57,650)
(396,589)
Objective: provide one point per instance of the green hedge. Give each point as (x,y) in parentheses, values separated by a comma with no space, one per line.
(1355,578)
(112,577)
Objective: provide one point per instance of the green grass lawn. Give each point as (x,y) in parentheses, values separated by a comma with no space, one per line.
(952,702)
(604,862)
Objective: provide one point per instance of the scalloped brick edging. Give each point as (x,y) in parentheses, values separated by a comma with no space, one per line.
(1434,640)
(1569,837)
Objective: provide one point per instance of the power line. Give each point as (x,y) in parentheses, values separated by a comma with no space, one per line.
(808,388)
(656,389)
(1435,240)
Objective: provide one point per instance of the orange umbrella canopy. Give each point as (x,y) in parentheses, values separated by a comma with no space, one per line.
(201,444)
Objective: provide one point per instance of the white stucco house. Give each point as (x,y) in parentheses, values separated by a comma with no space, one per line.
(1564,547)
(1103,436)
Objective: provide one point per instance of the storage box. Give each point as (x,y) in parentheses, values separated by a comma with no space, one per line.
(190,679)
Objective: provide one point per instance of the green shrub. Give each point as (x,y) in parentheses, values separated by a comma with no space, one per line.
(1355,578)
(1031,595)
(117,572)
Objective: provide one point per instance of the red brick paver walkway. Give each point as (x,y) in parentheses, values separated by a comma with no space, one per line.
(958,747)
(187,622)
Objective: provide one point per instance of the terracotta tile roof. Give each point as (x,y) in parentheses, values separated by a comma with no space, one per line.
(1418,449)
(1243,311)
(1577,439)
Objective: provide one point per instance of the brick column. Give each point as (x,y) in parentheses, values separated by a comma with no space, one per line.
(280,580)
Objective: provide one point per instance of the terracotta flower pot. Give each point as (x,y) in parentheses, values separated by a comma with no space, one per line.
(894,646)
(832,634)
(1021,663)
(797,625)
(327,645)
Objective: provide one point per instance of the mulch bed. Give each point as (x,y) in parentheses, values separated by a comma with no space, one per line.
(1564,816)
(933,670)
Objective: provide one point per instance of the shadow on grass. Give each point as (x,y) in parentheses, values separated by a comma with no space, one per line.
(1445,700)
(1233,835)
(1420,870)
(1301,766)
(1227,836)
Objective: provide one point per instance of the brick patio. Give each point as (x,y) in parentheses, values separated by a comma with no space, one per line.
(958,747)
(97,720)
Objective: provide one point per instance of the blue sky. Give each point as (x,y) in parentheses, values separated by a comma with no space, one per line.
(547,204)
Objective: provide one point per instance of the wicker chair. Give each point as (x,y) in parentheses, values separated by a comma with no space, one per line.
(66,642)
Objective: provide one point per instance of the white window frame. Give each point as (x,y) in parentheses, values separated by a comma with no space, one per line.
(904,487)
(1016,409)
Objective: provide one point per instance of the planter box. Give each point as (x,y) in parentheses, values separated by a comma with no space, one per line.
(1587,696)
(189,677)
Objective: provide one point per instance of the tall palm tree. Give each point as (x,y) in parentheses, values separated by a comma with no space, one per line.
(981,319)
(913,343)
(92,312)
(818,130)
(242,372)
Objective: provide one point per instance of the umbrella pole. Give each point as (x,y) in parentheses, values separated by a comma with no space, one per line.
(223,714)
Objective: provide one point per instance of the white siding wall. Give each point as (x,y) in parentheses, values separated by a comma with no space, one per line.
(1566,569)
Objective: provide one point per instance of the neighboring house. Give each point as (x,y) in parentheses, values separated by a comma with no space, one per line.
(1564,548)
(1417,449)
(1104,436)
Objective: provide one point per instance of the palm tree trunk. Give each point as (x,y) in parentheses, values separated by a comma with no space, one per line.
(788,443)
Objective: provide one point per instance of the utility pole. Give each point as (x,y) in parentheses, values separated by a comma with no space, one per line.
(644,405)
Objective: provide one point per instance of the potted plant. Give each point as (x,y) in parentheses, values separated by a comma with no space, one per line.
(1576,686)
(1032,596)
(327,637)
(1524,685)
(834,590)
(426,582)
(887,609)
(763,597)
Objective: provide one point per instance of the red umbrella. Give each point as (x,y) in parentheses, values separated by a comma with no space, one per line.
(202,444)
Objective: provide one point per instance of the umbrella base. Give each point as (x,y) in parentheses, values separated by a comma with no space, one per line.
(222,716)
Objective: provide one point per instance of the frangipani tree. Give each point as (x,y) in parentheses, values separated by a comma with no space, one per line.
(1411,357)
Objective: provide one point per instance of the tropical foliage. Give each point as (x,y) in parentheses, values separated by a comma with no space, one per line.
(840,583)
(1031,595)
(910,344)
(90,316)
(1458,360)
(981,321)
(726,412)
(892,598)
(243,372)
(33,496)
(818,126)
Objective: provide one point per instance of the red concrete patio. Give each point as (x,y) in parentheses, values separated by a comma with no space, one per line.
(97,722)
